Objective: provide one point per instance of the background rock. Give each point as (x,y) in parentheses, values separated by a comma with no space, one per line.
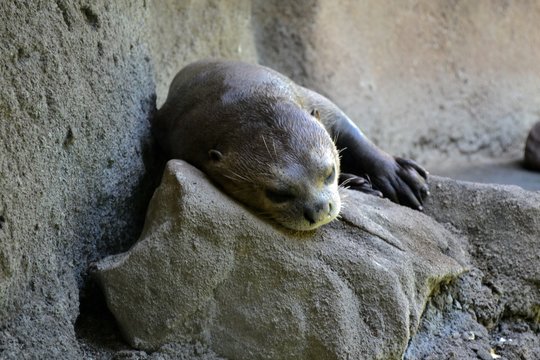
(76,163)
(502,224)
(532,148)
(440,81)
(207,270)
(500,297)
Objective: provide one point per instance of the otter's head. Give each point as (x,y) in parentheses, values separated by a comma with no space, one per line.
(286,170)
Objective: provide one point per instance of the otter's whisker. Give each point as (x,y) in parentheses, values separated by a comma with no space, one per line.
(266,146)
(274,146)
(345,182)
(241,177)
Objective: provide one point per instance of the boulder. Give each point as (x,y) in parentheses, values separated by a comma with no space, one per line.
(494,308)
(502,226)
(206,269)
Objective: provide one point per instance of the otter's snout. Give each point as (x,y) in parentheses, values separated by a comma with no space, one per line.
(318,212)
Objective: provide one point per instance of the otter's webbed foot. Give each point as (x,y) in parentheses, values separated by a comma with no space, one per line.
(403,181)
(358,183)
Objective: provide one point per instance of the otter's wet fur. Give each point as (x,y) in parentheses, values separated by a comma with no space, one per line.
(269,143)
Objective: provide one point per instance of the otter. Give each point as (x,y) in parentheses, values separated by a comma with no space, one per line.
(281,149)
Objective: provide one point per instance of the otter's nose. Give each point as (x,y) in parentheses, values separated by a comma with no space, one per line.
(318,212)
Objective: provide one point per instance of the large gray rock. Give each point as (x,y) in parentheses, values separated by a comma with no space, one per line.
(494,307)
(206,269)
(502,225)
(74,109)
(77,89)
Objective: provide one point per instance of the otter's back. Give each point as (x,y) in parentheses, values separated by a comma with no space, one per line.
(219,96)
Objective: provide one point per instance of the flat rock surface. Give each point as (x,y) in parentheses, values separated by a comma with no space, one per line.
(508,172)
(206,269)
(502,224)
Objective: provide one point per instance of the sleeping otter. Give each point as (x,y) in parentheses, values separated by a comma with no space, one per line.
(274,145)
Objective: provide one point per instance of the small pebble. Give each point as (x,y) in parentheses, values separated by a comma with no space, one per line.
(483,354)
(469,335)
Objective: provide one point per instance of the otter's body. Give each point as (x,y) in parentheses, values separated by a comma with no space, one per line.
(268,142)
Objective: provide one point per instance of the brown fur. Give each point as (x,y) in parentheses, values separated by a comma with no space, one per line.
(267,141)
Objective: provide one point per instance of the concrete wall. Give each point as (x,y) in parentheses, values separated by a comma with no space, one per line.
(441,81)
(436,80)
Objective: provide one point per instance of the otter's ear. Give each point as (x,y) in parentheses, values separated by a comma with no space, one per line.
(316,114)
(215,155)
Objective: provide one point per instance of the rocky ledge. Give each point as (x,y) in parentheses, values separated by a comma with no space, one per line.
(205,269)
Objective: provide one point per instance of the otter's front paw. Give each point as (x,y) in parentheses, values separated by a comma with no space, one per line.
(403,181)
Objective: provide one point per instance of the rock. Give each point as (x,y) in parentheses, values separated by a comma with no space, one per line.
(77,168)
(532,148)
(206,269)
(74,109)
(484,354)
(502,226)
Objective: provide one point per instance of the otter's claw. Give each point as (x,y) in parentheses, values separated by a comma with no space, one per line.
(401,180)
(412,187)
(358,183)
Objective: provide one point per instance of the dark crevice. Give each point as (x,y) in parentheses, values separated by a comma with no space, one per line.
(91,17)
(100,49)
(69,139)
(65,13)
(96,326)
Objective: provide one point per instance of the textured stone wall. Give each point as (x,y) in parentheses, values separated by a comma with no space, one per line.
(441,81)
(77,90)
(78,83)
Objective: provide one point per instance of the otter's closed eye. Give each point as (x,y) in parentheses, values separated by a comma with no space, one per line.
(279,196)
(331,177)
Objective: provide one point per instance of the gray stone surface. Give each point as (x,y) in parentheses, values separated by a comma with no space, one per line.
(502,224)
(184,31)
(74,108)
(77,89)
(506,172)
(206,269)
(499,298)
